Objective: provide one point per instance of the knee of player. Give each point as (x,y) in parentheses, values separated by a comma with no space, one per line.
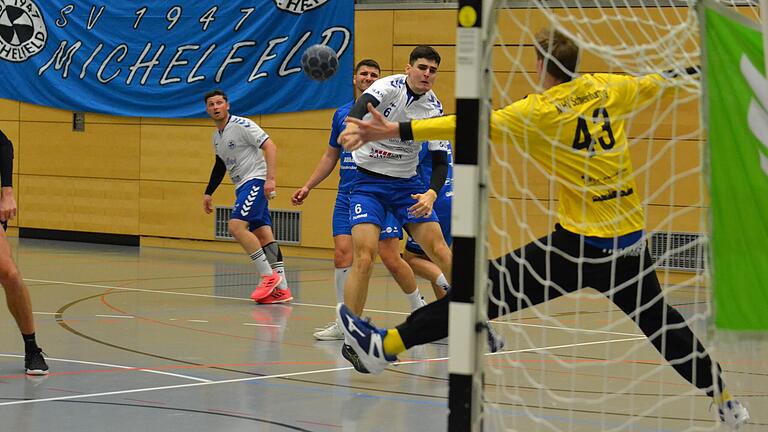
(364,259)
(236,227)
(342,258)
(392,261)
(9,275)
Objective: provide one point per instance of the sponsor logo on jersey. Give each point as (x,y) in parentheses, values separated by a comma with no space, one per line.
(22,30)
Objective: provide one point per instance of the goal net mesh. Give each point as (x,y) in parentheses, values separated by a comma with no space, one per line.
(578,363)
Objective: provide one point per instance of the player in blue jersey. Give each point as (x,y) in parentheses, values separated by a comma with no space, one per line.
(366,72)
(244,150)
(16,292)
(414,255)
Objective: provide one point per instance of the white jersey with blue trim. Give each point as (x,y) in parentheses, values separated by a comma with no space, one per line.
(394,157)
(239,146)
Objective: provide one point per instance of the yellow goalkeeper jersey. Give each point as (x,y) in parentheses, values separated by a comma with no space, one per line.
(575,131)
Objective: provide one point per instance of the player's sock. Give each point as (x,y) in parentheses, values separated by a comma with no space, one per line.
(340,278)
(414,299)
(442,282)
(722,398)
(393,343)
(275,258)
(30,344)
(262,265)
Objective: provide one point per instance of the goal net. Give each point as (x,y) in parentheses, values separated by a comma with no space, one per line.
(578,362)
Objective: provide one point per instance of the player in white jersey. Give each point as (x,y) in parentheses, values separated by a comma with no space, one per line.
(386,180)
(244,150)
(367,71)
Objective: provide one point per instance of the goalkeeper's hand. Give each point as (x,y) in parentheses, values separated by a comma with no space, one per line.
(359,132)
(757,116)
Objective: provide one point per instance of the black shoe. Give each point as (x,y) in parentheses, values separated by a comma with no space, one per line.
(348,353)
(34,363)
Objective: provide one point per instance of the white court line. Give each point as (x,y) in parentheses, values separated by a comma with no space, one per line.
(565,328)
(115,316)
(117,367)
(171,387)
(261,325)
(239,380)
(293,303)
(46,313)
(197,321)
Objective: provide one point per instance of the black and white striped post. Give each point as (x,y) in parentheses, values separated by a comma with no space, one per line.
(470,212)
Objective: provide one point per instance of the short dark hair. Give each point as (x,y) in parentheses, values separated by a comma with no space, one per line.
(553,47)
(424,52)
(213,93)
(367,62)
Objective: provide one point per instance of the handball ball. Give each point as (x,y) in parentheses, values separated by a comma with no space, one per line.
(319,62)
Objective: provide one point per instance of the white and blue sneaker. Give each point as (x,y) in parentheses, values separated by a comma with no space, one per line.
(733,414)
(495,342)
(366,340)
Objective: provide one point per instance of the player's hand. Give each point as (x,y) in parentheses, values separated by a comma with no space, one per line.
(757,116)
(349,138)
(299,196)
(270,189)
(424,203)
(7,205)
(207,204)
(374,129)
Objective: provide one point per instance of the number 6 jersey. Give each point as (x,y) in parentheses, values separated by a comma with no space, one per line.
(394,157)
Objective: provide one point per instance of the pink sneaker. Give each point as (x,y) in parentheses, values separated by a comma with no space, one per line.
(278,295)
(267,285)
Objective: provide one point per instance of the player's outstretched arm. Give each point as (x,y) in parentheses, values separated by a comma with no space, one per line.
(323,169)
(270,157)
(359,132)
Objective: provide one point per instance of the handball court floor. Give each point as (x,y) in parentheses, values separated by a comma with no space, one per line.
(148,339)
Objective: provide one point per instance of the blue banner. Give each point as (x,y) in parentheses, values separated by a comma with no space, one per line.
(158,58)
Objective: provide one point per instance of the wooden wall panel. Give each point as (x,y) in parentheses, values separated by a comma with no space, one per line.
(374,37)
(298,152)
(79,204)
(171,209)
(175,209)
(177,153)
(424,27)
(319,119)
(102,151)
(203,121)
(9,110)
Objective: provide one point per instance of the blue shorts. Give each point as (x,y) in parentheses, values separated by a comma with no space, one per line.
(372,198)
(251,204)
(443,210)
(342,225)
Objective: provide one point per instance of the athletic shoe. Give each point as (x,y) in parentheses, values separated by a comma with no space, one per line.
(331,332)
(422,303)
(733,414)
(267,285)
(349,354)
(365,339)
(278,295)
(495,342)
(34,363)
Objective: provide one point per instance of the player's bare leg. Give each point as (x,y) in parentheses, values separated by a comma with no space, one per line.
(365,244)
(16,293)
(426,269)
(429,236)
